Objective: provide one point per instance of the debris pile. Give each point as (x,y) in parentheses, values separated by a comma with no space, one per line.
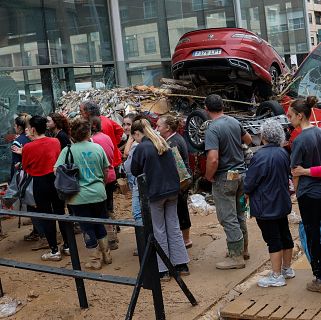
(122,100)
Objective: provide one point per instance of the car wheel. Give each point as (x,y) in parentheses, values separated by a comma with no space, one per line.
(274,72)
(269,108)
(194,129)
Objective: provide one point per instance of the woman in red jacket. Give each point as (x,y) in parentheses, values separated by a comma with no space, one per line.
(38,159)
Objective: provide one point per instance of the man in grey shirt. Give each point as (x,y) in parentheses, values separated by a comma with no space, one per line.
(225,168)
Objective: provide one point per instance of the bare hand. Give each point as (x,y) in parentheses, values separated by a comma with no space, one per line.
(16,150)
(300,171)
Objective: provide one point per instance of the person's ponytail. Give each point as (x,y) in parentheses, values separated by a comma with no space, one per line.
(311,101)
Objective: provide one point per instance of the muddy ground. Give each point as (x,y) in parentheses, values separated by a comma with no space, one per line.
(49,297)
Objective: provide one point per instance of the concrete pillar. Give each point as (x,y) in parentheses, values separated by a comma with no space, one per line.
(237,12)
(117,41)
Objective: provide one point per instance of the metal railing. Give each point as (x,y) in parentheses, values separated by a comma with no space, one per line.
(148,275)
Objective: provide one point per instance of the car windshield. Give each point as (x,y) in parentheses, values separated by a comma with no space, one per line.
(307,80)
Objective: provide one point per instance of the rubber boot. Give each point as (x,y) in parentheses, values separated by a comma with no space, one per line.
(95,259)
(103,246)
(235,259)
(246,254)
(188,242)
(112,237)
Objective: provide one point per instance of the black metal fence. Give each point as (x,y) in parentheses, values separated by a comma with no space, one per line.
(148,275)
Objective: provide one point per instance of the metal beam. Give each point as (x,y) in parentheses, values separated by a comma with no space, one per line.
(68,272)
(67,218)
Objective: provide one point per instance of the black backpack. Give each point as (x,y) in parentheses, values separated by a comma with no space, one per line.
(67,177)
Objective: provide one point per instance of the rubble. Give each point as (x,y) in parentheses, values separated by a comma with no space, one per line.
(120,100)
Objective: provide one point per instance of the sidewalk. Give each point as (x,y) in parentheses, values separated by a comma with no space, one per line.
(290,302)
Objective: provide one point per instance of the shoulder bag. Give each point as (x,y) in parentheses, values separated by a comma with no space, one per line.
(67,177)
(185,177)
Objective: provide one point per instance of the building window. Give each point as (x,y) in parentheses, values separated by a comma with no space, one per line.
(317,1)
(123,12)
(312,41)
(150,45)
(81,52)
(310,17)
(149,9)
(203,4)
(6,60)
(132,46)
(317,18)
(296,23)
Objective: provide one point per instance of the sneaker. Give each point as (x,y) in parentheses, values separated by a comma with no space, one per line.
(182,269)
(314,285)
(64,251)
(32,236)
(272,280)
(51,256)
(288,273)
(164,276)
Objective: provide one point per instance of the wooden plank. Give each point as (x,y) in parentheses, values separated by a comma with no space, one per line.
(308,314)
(294,314)
(280,313)
(252,311)
(236,307)
(268,310)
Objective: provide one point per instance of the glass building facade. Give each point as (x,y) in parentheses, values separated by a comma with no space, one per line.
(51,46)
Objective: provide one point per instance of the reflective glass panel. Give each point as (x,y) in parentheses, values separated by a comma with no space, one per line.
(282,23)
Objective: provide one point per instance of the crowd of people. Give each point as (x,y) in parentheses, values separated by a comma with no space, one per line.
(96,141)
(266,184)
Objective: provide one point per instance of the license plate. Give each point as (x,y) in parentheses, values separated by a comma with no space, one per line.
(204,53)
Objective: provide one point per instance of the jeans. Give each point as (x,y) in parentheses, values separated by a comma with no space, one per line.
(227,194)
(136,210)
(92,232)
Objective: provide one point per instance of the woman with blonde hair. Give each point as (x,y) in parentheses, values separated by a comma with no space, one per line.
(153,157)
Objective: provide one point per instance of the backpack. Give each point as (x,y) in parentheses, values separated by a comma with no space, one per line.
(67,177)
(20,188)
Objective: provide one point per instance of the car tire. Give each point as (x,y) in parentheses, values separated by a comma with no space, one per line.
(194,135)
(269,108)
(274,72)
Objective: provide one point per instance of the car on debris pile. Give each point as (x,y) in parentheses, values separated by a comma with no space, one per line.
(234,62)
(239,66)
